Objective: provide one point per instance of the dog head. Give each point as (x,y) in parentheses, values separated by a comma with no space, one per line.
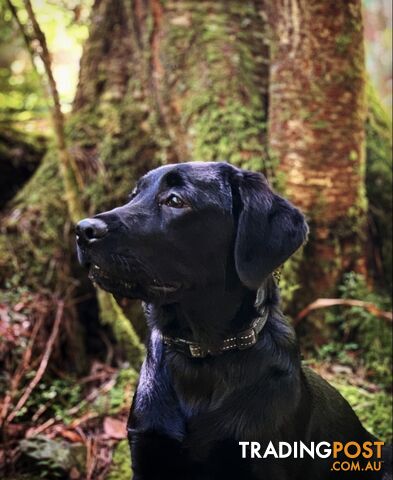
(185,227)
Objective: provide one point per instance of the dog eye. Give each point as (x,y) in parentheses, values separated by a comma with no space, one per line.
(174,201)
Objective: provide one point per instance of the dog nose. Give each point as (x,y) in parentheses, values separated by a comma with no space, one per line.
(90,229)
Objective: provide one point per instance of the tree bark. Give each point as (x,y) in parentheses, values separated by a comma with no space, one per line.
(317,130)
(199,70)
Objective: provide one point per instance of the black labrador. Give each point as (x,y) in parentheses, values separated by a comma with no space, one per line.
(198,243)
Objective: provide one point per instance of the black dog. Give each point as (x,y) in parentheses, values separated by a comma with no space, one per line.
(198,242)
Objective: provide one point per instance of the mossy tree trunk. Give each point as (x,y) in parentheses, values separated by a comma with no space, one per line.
(317,130)
(197,73)
(159,82)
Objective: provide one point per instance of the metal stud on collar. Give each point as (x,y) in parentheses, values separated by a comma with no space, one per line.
(196,351)
(240,340)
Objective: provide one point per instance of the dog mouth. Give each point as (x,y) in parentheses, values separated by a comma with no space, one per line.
(127,288)
(102,278)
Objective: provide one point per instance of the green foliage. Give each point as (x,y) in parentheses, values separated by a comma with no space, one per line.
(121,465)
(359,334)
(374,335)
(119,397)
(21,93)
(120,394)
(58,396)
(289,282)
(379,181)
(339,352)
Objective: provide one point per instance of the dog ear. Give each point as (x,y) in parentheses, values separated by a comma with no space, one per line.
(270,229)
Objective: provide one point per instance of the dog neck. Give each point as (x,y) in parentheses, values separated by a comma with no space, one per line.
(207,316)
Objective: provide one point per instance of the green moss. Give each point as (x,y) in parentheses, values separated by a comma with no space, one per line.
(121,463)
(222,92)
(111,314)
(34,231)
(343,42)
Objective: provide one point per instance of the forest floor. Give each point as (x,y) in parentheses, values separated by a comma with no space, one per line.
(84,436)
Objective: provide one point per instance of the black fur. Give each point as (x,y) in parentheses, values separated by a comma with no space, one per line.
(203,269)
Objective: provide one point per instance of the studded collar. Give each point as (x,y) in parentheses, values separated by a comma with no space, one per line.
(238,341)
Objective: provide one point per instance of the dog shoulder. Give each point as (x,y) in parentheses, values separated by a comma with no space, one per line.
(330,412)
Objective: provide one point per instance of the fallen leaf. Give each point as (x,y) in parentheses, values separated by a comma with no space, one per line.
(19,306)
(114,428)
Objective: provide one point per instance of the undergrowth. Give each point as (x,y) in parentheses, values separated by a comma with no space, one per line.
(357,336)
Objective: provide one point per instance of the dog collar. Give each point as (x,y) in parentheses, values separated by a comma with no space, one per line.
(239,341)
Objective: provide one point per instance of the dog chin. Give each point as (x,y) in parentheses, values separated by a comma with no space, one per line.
(132,289)
(117,286)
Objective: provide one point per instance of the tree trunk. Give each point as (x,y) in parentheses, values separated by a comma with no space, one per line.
(317,130)
(160,82)
(197,70)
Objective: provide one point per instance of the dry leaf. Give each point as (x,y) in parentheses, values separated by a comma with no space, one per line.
(115,428)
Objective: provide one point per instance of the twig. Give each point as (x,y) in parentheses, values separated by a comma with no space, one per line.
(41,410)
(84,418)
(20,370)
(91,457)
(92,396)
(72,411)
(73,181)
(24,33)
(95,377)
(36,431)
(330,302)
(28,352)
(44,363)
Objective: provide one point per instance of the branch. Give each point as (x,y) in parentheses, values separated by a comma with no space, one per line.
(20,371)
(73,182)
(23,31)
(44,363)
(330,302)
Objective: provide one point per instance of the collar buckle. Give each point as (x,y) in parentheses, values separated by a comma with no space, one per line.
(242,340)
(196,351)
(246,339)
